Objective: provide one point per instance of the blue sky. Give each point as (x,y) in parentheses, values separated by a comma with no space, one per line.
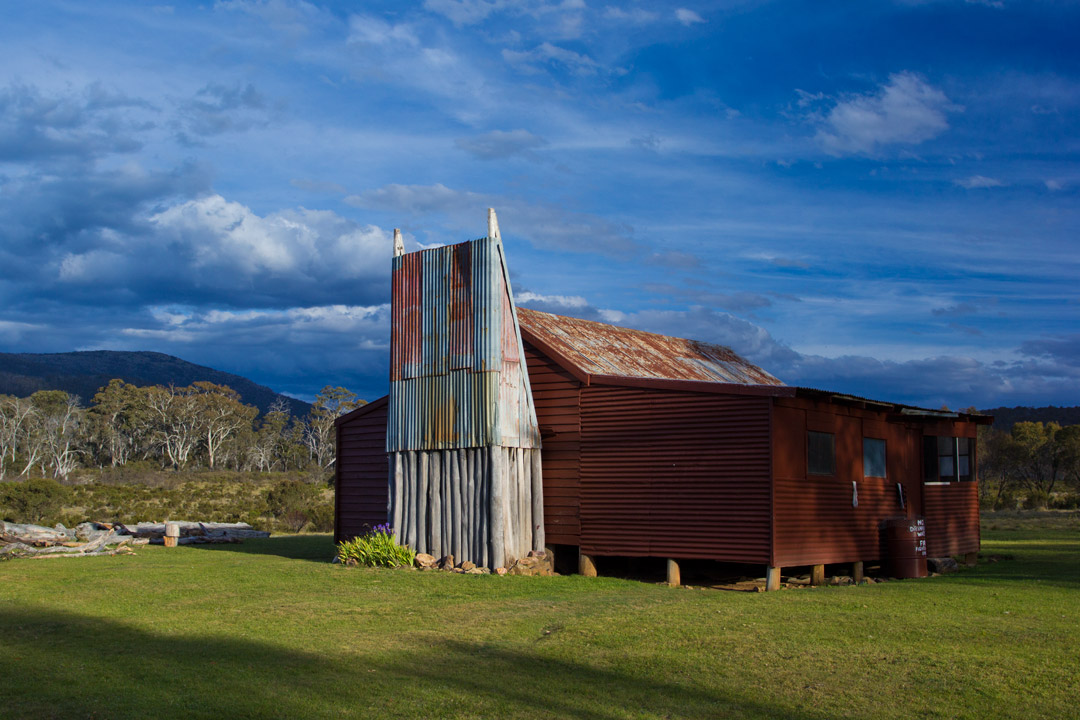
(877,198)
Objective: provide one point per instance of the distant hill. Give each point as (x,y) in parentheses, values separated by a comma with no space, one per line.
(1005,418)
(83,373)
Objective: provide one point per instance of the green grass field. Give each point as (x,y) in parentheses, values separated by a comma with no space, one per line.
(271,629)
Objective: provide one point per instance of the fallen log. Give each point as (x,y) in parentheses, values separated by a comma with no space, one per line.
(195,529)
(97,546)
(31,534)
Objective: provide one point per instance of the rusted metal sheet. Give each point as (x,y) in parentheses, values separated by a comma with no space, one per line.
(556,395)
(678,475)
(456,375)
(360,475)
(597,349)
(952,518)
(816,518)
(816,521)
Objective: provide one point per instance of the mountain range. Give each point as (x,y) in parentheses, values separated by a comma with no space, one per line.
(84,373)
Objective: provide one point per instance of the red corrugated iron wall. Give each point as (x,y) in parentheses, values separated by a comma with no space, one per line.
(670,474)
(816,519)
(556,394)
(952,518)
(362,472)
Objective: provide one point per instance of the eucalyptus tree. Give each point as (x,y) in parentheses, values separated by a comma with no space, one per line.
(330,404)
(120,421)
(60,423)
(16,414)
(176,426)
(221,416)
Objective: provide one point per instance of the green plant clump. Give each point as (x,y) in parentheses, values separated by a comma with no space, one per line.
(31,501)
(376,549)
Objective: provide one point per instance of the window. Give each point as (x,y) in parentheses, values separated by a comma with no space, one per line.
(873,457)
(948,459)
(820,453)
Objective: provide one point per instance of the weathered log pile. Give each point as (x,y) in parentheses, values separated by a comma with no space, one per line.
(197,533)
(85,540)
(93,539)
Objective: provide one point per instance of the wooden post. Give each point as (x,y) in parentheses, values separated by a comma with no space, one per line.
(585,565)
(772,578)
(172,534)
(539,541)
(496,481)
(435,498)
(817,575)
(422,503)
(674,578)
(857,572)
(971,559)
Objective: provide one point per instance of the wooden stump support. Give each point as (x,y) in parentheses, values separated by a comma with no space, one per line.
(857,573)
(817,575)
(674,577)
(586,566)
(772,579)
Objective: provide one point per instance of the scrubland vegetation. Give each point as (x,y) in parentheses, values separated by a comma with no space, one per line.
(156,453)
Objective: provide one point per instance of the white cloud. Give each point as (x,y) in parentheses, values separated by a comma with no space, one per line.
(544,225)
(367,30)
(638,16)
(463,12)
(566,301)
(220,249)
(499,144)
(904,111)
(979,181)
(548,53)
(1054,184)
(688,17)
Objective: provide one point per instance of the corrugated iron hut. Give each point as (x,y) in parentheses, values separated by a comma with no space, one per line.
(664,447)
(656,446)
(461,431)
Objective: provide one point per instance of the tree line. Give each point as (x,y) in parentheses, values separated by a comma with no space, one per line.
(203,425)
(1034,463)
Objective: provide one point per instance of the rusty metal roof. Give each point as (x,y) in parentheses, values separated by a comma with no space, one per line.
(589,350)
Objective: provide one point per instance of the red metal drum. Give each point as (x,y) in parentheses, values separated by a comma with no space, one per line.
(905,545)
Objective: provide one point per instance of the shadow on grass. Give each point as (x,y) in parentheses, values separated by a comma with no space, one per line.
(1048,561)
(104,668)
(315,547)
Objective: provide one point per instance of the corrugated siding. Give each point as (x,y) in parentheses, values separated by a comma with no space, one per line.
(557,396)
(677,475)
(816,523)
(952,518)
(362,474)
(456,380)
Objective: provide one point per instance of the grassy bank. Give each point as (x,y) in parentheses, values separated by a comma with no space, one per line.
(270,629)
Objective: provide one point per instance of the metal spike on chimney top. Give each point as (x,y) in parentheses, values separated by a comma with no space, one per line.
(399,244)
(493,225)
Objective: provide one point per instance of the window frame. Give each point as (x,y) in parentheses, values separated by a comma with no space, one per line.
(832,452)
(884,458)
(958,448)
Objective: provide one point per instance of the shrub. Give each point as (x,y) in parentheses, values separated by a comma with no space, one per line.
(376,549)
(290,501)
(32,501)
(1066,501)
(1036,500)
(322,517)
